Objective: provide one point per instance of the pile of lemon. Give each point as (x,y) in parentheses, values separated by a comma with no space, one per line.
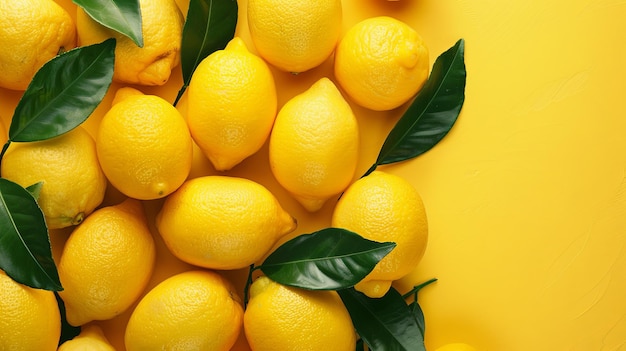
(144,146)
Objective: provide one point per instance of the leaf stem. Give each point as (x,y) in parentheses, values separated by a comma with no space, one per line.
(4,150)
(180,94)
(418,287)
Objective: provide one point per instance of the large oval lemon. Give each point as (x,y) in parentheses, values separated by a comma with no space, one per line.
(381,63)
(295,36)
(144,145)
(232,105)
(106,263)
(31,33)
(314,144)
(386,208)
(222,222)
(457,346)
(152,64)
(29,318)
(290,319)
(73,182)
(194,310)
(91,338)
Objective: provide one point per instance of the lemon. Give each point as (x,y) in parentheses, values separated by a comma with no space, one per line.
(222,222)
(313,146)
(295,36)
(290,319)
(152,64)
(385,207)
(194,310)
(30,318)
(31,33)
(91,338)
(144,145)
(456,347)
(381,63)
(106,263)
(73,182)
(232,104)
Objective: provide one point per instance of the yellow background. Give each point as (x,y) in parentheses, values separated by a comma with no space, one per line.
(526,196)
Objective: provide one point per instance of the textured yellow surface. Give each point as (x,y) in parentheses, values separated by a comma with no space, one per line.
(526,196)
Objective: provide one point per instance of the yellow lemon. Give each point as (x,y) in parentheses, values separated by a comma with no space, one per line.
(232,104)
(91,338)
(290,319)
(106,263)
(194,310)
(144,145)
(73,182)
(381,63)
(152,64)
(385,207)
(295,36)
(31,33)
(29,318)
(456,347)
(222,222)
(314,145)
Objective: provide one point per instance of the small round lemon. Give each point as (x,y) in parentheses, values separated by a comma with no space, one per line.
(31,33)
(144,145)
(385,207)
(295,36)
(232,105)
(222,222)
(91,338)
(106,263)
(194,310)
(314,144)
(152,64)
(73,182)
(29,318)
(290,319)
(456,347)
(381,63)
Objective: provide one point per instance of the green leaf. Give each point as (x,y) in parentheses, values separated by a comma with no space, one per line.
(328,259)
(35,189)
(433,112)
(386,323)
(414,306)
(123,16)
(68,331)
(63,93)
(416,311)
(25,253)
(209,26)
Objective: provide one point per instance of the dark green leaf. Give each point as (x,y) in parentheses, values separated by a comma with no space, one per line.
(64,92)
(35,189)
(386,323)
(417,312)
(209,26)
(415,307)
(123,16)
(433,112)
(25,253)
(68,331)
(329,259)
